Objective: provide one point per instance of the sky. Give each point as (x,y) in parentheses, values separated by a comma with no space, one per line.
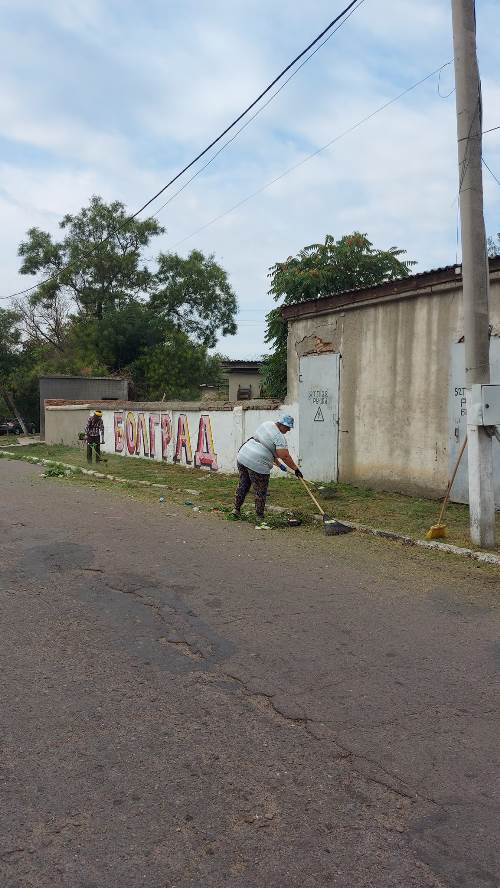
(113,97)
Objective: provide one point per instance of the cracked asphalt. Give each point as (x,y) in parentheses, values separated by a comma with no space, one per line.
(191,702)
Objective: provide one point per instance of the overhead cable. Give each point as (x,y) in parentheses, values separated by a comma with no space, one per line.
(312,155)
(248,108)
(329,27)
(497,180)
(256,114)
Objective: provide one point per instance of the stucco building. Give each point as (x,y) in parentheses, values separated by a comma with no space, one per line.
(376,376)
(243,379)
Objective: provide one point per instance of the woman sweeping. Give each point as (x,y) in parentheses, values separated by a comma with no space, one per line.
(255,461)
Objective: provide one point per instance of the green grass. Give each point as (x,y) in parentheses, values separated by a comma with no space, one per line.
(7,439)
(411,516)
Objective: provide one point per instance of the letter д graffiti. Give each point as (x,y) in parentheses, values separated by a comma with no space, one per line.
(205,454)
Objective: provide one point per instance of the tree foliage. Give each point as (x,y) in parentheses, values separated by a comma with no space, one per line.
(494,246)
(317,271)
(98,264)
(195,295)
(103,305)
(10,344)
(10,360)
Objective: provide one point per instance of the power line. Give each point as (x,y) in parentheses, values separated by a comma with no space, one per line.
(259,111)
(215,141)
(310,156)
(468,137)
(248,108)
(484,133)
(447,96)
(497,180)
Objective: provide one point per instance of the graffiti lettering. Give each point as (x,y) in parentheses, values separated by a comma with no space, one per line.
(131,432)
(166,434)
(142,436)
(183,442)
(460,393)
(154,420)
(119,442)
(205,455)
(138,431)
(318,396)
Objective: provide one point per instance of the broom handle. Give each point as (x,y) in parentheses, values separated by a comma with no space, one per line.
(450,484)
(315,501)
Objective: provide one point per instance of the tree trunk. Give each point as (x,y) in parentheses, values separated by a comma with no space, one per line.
(9,399)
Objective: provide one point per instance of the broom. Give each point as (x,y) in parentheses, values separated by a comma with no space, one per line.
(331,526)
(439,530)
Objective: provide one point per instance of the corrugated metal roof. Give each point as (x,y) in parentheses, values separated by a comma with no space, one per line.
(397,287)
(239,362)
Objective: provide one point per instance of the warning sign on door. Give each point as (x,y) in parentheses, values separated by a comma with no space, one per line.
(319,416)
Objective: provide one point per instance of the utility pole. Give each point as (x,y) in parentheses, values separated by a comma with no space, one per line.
(475,270)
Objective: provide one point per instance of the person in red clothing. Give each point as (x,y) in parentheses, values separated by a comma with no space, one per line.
(94,436)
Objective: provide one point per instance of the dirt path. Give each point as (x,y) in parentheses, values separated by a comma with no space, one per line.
(187,701)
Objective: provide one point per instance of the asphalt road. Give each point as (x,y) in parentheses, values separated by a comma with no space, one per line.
(189,702)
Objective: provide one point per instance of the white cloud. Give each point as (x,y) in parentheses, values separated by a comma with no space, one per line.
(114,97)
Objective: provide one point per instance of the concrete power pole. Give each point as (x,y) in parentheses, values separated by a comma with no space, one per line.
(475,271)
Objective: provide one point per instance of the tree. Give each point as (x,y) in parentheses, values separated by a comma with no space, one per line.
(100,309)
(318,271)
(10,347)
(194,294)
(175,368)
(494,246)
(97,265)
(119,339)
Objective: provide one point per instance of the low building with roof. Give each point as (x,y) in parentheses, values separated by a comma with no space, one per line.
(377,377)
(61,386)
(243,379)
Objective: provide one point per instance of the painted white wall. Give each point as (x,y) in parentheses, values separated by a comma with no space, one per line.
(63,424)
(222,434)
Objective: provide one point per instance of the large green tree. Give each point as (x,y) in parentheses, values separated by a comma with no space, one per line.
(98,264)
(105,304)
(194,295)
(317,271)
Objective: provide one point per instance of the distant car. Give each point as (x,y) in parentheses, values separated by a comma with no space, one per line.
(10,427)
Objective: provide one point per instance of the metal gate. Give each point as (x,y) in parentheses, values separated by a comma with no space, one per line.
(319,377)
(458,420)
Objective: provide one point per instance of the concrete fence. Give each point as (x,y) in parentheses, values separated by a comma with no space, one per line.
(190,434)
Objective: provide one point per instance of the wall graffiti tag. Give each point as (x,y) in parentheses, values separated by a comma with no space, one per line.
(138,434)
(183,442)
(461,399)
(318,396)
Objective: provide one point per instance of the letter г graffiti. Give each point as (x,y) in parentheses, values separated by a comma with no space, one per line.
(142,435)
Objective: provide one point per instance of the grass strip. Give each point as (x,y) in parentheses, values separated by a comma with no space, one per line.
(393,512)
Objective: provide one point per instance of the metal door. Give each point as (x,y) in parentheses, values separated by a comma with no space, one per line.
(319,377)
(458,420)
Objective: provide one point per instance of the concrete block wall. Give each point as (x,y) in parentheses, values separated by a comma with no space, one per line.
(190,434)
